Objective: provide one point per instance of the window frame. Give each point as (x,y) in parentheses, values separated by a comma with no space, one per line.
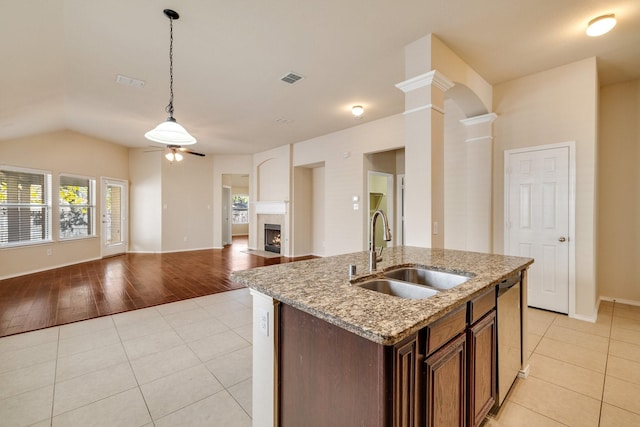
(233,209)
(91,206)
(46,205)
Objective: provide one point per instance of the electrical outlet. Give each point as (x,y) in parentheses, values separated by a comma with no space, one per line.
(263,321)
(48,251)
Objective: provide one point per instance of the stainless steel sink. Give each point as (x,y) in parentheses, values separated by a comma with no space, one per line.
(422,276)
(398,289)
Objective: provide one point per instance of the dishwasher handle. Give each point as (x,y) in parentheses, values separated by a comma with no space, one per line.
(508,283)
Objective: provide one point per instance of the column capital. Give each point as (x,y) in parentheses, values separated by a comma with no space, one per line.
(484,118)
(433,77)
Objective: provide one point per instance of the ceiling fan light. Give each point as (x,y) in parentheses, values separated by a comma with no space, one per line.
(170,133)
(178,156)
(169,156)
(601,25)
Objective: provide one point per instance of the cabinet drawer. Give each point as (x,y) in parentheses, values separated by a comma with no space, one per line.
(443,330)
(481,305)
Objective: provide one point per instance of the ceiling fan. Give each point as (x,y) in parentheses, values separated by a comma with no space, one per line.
(174,152)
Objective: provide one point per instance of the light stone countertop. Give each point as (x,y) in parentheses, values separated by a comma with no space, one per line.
(321,287)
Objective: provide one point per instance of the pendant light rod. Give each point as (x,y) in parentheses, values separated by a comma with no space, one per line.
(171,14)
(170,132)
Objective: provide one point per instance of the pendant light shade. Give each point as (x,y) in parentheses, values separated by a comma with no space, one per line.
(170,132)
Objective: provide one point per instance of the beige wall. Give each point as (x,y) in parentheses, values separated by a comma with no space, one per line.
(187,204)
(619,192)
(61,152)
(145,200)
(554,106)
(342,153)
(302,208)
(171,203)
(319,211)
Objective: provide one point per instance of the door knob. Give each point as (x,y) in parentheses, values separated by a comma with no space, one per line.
(562,239)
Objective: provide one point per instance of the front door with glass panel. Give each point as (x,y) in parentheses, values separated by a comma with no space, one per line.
(114,217)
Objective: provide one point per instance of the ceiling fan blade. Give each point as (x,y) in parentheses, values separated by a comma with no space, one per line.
(195,153)
(182,149)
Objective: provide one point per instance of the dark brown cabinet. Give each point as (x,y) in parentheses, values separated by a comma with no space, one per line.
(445,383)
(443,375)
(406,408)
(481,339)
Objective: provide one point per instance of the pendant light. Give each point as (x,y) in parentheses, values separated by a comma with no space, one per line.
(170,132)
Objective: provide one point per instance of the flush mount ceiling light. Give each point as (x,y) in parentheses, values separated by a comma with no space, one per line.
(357,111)
(601,25)
(170,132)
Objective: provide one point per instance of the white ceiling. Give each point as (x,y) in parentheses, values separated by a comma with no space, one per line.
(60,59)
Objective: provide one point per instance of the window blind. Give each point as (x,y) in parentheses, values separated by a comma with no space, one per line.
(25,206)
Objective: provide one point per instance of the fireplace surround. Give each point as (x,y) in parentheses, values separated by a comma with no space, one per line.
(272,238)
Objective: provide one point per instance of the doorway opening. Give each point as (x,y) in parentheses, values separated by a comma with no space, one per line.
(235,207)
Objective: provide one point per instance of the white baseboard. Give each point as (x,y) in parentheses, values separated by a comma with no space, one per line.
(620,300)
(24,273)
(170,252)
(593,318)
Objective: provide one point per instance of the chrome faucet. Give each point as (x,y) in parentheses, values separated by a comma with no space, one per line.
(373,256)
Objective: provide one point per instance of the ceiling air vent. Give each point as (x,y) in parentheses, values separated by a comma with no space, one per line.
(291,78)
(128,81)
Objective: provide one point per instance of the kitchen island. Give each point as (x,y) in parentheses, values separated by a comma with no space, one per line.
(326,349)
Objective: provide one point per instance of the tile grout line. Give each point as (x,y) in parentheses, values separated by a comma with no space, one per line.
(202,363)
(606,363)
(560,386)
(55,376)
(133,372)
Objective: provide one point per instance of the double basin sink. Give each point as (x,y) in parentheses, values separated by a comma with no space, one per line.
(413,282)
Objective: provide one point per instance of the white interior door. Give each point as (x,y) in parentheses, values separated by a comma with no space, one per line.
(537,196)
(114,213)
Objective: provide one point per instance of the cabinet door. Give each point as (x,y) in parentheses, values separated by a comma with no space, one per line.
(406,383)
(446,385)
(482,368)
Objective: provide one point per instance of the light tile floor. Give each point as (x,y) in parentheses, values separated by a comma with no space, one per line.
(181,364)
(189,364)
(582,374)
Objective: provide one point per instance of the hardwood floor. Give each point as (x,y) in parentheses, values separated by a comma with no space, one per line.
(120,283)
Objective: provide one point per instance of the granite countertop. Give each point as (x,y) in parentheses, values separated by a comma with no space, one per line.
(322,288)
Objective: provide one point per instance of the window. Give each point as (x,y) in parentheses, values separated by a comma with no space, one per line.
(25,206)
(240,206)
(77,207)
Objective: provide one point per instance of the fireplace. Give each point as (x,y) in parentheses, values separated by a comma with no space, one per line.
(272,238)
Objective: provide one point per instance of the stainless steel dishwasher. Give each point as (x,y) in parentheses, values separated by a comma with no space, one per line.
(509,334)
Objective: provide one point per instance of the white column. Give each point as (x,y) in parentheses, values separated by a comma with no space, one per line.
(264,386)
(424,158)
(479,166)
